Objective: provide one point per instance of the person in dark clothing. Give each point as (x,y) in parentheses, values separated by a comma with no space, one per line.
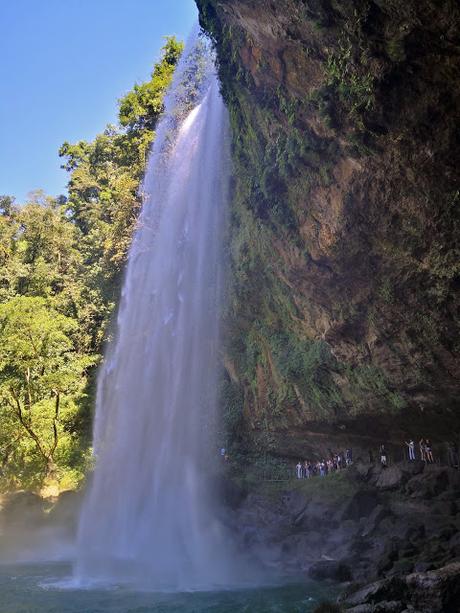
(383,456)
(349,457)
(339,461)
(429,451)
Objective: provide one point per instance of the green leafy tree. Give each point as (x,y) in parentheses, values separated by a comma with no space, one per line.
(141,107)
(61,263)
(41,376)
(105,175)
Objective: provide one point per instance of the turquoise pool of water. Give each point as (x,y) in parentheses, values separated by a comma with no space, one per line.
(34,588)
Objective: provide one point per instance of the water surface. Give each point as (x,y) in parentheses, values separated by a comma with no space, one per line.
(31,588)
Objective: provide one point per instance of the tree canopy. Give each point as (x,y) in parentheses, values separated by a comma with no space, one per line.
(61,263)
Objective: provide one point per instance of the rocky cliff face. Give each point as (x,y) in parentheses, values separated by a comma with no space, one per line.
(397,527)
(343,307)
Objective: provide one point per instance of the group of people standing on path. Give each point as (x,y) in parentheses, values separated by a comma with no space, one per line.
(425,450)
(321,468)
(337,461)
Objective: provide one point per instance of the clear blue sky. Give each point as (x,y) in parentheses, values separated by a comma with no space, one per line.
(64,64)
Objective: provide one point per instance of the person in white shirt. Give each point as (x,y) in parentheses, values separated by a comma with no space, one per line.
(411,447)
(298,469)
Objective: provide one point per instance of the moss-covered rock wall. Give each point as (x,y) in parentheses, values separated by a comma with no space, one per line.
(343,304)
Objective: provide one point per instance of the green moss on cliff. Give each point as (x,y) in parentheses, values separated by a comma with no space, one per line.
(285,374)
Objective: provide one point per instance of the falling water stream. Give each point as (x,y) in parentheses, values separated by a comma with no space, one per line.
(149,517)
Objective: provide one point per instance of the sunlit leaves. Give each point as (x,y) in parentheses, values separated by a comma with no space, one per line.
(61,263)
(41,374)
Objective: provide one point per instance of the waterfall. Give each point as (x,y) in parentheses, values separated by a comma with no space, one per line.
(149,518)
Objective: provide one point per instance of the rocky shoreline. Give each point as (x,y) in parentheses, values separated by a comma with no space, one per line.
(390,536)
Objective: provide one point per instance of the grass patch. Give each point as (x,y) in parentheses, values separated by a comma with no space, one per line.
(336,486)
(333,488)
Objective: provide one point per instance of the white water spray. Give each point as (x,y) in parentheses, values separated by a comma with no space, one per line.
(149,517)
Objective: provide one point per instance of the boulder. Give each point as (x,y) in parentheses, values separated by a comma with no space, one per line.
(429,484)
(390,478)
(391,589)
(436,591)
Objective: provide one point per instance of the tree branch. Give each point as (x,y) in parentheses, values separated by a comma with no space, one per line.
(55,423)
(26,426)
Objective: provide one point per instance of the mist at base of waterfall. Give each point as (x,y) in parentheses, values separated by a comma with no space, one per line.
(46,588)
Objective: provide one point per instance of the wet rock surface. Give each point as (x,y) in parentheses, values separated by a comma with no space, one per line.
(393,551)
